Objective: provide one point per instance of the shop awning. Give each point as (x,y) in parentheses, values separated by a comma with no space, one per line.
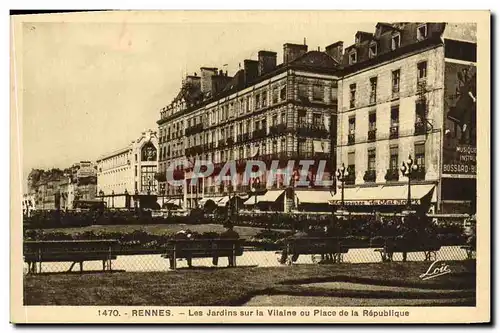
(223,201)
(394,195)
(313,197)
(270,196)
(204,201)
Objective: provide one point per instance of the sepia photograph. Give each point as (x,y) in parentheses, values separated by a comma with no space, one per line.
(248,163)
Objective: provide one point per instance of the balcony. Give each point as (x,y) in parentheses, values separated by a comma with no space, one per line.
(370,176)
(195,129)
(392,175)
(419,128)
(222,143)
(278,129)
(394,132)
(242,137)
(351,139)
(230,141)
(372,135)
(351,177)
(418,174)
(259,134)
(312,130)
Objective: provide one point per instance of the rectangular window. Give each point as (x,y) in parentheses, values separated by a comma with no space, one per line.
(422,32)
(371,160)
(420,156)
(318,94)
(257,125)
(303,91)
(247,106)
(283,93)
(257,101)
(274,120)
(240,153)
(275,95)
(372,52)
(351,164)
(395,83)
(393,162)
(317,119)
(422,70)
(283,117)
(352,96)
(264,99)
(135,171)
(302,117)
(302,146)
(353,57)
(394,115)
(373,90)
(420,111)
(396,42)
(274,147)
(352,125)
(372,121)
(283,145)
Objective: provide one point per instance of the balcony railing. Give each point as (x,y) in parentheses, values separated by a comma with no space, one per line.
(312,130)
(195,129)
(372,134)
(259,134)
(351,139)
(370,176)
(230,141)
(394,132)
(419,174)
(392,175)
(277,129)
(351,178)
(419,128)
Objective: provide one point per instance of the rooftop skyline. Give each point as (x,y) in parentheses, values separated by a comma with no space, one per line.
(92,88)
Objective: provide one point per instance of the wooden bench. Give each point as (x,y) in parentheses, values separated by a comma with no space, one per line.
(75,251)
(202,248)
(469,250)
(428,248)
(314,246)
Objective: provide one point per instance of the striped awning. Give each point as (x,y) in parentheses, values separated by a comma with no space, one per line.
(313,197)
(269,196)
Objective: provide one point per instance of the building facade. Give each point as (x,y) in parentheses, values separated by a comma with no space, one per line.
(264,112)
(127,172)
(396,93)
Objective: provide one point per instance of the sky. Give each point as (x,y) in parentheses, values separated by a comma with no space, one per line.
(90,88)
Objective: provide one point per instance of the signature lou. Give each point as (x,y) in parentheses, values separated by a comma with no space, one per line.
(437,268)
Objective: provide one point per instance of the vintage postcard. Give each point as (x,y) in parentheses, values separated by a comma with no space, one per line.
(250,167)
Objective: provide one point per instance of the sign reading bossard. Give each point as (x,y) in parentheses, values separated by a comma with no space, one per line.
(459,141)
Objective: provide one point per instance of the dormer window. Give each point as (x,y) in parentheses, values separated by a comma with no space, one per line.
(353,57)
(372,52)
(357,40)
(396,41)
(422,32)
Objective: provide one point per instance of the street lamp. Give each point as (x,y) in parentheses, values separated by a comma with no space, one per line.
(342,175)
(113,199)
(407,169)
(256,182)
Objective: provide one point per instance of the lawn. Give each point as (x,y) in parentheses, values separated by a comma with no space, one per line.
(157,229)
(236,286)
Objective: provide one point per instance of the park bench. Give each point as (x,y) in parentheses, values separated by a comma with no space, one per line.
(314,246)
(470,251)
(75,251)
(202,248)
(428,247)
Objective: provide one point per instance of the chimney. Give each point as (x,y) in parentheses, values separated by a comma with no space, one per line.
(267,62)
(293,51)
(251,68)
(335,51)
(206,78)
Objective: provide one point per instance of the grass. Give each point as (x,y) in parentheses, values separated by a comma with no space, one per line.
(236,286)
(157,229)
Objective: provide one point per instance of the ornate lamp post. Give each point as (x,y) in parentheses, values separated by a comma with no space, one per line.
(342,175)
(113,199)
(407,169)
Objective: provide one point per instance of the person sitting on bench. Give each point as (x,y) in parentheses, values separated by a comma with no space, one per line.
(228,234)
(295,256)
(182,235)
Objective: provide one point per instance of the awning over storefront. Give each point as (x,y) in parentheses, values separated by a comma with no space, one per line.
(313,197)
(384,195)
(204,201)
(270,196)
(223,201)
(176,202)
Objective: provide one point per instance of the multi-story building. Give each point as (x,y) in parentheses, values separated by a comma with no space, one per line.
(58,189)
(408,90)
(127,175)
(266,112)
